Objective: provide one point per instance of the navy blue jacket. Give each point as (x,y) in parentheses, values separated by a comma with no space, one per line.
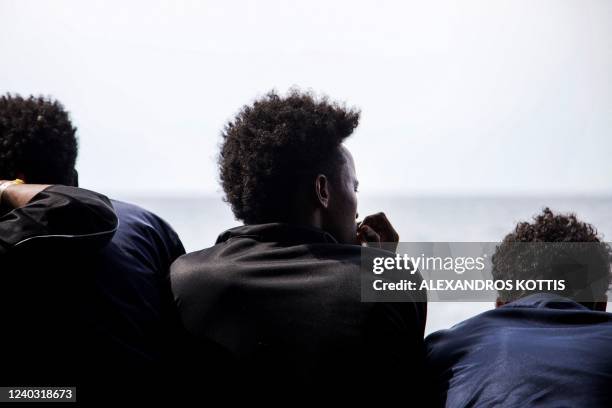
(134,307)
(541,350)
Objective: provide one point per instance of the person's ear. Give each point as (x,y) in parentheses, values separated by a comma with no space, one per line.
(322,190)
(499,302)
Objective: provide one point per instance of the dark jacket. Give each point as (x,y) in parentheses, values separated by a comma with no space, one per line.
(132,303)
(541,350)
(59,214)
(274,307)
(87,294)
(43,250)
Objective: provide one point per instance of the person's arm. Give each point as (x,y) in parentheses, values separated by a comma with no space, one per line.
(15,195)
(39,213)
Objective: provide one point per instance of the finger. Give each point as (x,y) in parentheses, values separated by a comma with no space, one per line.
(368,235)
(382,225)
(372,218)
(378,220)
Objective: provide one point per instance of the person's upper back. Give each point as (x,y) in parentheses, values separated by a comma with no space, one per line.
(105,316)
(283,303)
(539,350)
(134,303)
(43,250)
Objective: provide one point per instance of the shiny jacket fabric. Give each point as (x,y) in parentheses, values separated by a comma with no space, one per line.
(276,308)
(43,249)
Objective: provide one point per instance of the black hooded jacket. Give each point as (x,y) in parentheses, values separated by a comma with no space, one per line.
(44,250)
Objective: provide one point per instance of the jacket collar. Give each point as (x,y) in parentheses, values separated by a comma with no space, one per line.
(278,232)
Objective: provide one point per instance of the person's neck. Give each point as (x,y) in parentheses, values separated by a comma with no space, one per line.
(306,218)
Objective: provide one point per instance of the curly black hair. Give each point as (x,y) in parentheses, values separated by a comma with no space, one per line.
(276,144)
(555,246)
(36,139)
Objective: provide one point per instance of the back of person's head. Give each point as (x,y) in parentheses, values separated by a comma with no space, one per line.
(555,247)
(37,141)
(273,151)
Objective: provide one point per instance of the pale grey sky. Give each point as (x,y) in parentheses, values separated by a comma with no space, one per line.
(457,96)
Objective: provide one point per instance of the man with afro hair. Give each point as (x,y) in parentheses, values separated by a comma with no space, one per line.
(538,347)
(274,307)
(121,293)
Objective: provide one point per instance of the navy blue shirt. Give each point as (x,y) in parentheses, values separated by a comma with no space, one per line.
(133,308)
(541,350)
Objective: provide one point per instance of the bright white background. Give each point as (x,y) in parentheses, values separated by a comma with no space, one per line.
(472,96)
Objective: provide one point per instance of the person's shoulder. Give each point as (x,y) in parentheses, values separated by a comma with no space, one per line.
(133,216)
(133,213)
(134,219)
(197,270)
(345,253)
(198,264)
(224,260)
(190,262)
(467,328)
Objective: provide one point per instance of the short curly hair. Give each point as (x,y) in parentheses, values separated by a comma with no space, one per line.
(36,139)
(565,248)
(276,144)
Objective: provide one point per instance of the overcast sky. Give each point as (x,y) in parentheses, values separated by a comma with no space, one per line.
(456,96)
